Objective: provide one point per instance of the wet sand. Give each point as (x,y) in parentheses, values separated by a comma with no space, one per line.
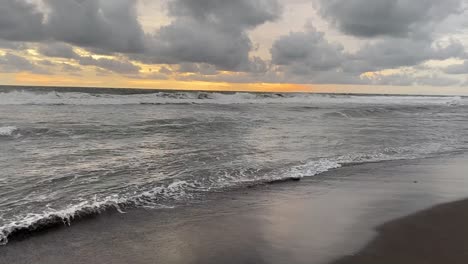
(437,235)
(317,220)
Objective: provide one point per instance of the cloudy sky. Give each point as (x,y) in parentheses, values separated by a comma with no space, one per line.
(401,46)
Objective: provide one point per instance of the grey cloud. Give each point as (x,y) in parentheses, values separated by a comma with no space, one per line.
(110,25)
(258,66)
(46,63)
(457,68)
(152,76)
(13,63)
(276,76)
(401,79)
(185,41)
(20,21)
(63,50)
(309,57)
(58,50)
(70,68)
(164,70)
(13,45)
(211,31)
(306,52)
(228,14)
(117,66)
(436,80)
(188,68)
(201,68)
(394,53)
(203,31)
(406,79)
(102,72)
(207,69)
(213,35)
(106,24)
(370,18)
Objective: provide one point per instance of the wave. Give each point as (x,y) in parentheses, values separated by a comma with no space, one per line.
(81,98)
(381,111)
(166,195)
(51,217)
(8,131)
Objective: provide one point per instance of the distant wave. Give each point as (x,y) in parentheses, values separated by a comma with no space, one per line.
(177,190)
(80,98)
(382,111)
(7,131)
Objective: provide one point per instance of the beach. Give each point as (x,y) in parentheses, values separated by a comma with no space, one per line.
(328,218)
(436,235)
(232,132)
(195,177)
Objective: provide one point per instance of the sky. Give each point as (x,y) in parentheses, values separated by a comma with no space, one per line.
(369,46)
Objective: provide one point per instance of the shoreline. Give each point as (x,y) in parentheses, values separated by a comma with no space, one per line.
(433,236)
(316,220)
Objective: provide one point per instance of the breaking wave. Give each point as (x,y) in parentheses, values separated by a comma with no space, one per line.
(8,131)
(167,194)
(382,111)
(80,98)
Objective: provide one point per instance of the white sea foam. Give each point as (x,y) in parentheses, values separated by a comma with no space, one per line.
(7,131)
(175,190)
(180,189)
(77,98)
(66,215)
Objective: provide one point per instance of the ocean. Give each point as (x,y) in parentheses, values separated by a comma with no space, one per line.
(67,153)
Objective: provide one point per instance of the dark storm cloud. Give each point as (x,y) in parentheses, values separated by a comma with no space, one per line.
(111,25)
(230,14)
(306,52)
(107,24)
(202,31)
(211,31)
(371,18)
(190,41)
(57,50)
(20,21)
(305,57)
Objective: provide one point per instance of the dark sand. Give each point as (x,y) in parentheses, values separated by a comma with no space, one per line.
(437,235)
(318,220)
